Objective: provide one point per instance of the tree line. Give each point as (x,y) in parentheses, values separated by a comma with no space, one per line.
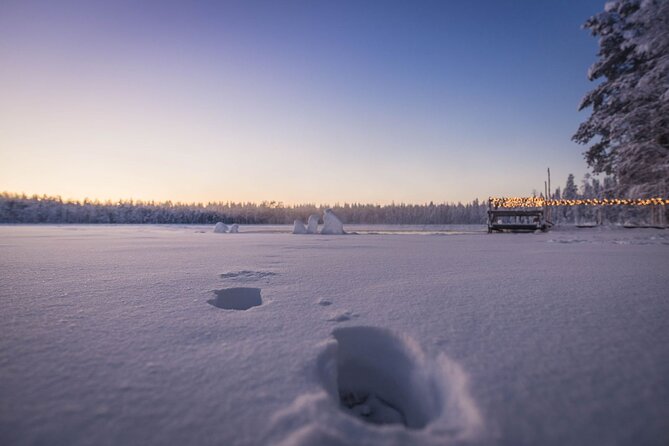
(20,208)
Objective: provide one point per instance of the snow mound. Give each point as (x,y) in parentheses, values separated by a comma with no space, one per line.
(236,298)
(299,228)
(380,388)
(312,224)
(331,223)
(220,228)
(234,229)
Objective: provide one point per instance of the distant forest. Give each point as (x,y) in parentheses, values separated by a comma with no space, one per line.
(19,208)
(16,208)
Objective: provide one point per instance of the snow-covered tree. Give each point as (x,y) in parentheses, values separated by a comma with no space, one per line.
(629,123)
(15,208)
(570,192)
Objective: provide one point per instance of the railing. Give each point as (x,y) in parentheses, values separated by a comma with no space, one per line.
(514,204)
(538,202)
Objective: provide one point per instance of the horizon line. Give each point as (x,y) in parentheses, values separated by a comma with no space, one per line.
(193,203)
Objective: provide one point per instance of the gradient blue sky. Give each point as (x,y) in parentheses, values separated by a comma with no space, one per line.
(307,101)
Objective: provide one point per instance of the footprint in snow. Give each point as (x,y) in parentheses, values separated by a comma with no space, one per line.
(236,298)
(384,377)
(389,390)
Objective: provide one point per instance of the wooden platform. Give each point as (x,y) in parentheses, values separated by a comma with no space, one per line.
(516,220)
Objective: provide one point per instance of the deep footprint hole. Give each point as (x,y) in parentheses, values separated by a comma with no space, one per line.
(380,378)
(240,298)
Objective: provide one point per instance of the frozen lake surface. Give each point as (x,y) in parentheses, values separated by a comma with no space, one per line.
(174,335)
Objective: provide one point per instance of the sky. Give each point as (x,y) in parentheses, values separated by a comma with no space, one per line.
(292,101)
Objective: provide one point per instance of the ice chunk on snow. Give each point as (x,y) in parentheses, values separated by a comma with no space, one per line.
(299,228)
(331,224)
(221,228)
(234,229)
(312,224)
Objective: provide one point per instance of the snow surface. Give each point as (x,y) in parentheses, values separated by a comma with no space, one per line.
(111,335)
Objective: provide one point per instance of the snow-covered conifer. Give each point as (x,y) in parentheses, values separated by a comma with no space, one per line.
(628,128)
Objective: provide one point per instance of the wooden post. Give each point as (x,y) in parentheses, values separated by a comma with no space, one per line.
(625,214)
(545,200)
(549,211)
(663,211)
(599,216)
(550,191)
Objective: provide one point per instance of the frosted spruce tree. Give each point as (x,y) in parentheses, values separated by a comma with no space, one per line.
(628,128)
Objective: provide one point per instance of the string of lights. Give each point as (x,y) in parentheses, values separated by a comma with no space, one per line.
(536,202)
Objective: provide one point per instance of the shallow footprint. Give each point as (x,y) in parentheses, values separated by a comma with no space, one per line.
(247,275)
(342,316)
(236,298)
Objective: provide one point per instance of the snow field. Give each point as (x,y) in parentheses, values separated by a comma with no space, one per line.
(553,339)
